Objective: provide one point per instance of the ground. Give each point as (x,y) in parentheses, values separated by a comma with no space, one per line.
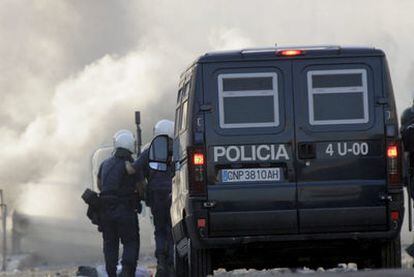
(147,267)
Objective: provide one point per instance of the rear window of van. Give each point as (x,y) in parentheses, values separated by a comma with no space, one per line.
(338,96)
(248,100)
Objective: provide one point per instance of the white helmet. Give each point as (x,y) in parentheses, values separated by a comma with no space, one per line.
(124,139)
(164,127)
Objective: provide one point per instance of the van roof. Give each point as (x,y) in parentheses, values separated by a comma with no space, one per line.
(270,53)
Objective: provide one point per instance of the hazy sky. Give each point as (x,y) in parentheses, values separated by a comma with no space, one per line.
(73,72)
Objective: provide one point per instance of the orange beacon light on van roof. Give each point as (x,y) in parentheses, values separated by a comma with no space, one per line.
(290,52)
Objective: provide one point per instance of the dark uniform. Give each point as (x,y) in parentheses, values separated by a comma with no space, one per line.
(119,219)
(159,200)
(407,134)
(407,123)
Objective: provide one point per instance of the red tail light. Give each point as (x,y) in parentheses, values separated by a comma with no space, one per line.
(290,52)
(198,159)
(393,164)
(201,223)
(395,215)
(196,171)
(392,151)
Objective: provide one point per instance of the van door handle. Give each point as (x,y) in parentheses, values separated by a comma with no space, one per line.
(307,151)
(209,204)
(385,197)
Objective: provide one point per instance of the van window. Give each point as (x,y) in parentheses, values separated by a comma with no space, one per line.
(185,90)
(338,96)
(184,116)
(177,123)
(179,97)
(248,100)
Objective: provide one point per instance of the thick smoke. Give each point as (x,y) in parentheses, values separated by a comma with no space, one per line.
(73,72)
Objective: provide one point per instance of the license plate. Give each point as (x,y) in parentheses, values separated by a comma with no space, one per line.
(250,175)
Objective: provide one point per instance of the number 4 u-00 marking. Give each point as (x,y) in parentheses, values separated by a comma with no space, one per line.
(356,149)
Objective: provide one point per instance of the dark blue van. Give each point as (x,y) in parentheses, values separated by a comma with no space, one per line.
(286,157)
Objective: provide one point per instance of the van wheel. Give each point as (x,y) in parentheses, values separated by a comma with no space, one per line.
(199,262)
(180,264)
(391,254)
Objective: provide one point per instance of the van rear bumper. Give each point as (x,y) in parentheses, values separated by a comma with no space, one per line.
(199,241)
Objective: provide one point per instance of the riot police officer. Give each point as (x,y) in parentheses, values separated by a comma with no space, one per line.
(119,207)
(407,131)
(407,134)
(159,200)
(407,123)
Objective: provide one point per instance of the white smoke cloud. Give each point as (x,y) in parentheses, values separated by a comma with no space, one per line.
(73,72)
(85,110)
(228,38)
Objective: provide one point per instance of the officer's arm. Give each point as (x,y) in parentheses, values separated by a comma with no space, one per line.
(137,169)
(137,166)
(130,168)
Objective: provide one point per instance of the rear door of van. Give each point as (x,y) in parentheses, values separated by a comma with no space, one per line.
(249,137)
(341,166)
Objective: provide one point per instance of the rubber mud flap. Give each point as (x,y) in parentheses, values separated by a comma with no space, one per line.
(199,262)
(410,250)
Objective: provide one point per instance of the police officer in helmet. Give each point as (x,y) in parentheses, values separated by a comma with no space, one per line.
(119,221)
(159,200)
(407,134)
(407,118)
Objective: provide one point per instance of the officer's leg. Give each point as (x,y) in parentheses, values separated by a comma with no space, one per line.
(110,246)
(159,234)
(169,238)
(129,233)
(163,224)
(163,236)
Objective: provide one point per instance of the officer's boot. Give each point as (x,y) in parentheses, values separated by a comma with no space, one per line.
(162,266)
(111,271)
(127,271)
(171,270)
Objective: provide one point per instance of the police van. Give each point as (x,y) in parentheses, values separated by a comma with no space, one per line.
(286,157)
